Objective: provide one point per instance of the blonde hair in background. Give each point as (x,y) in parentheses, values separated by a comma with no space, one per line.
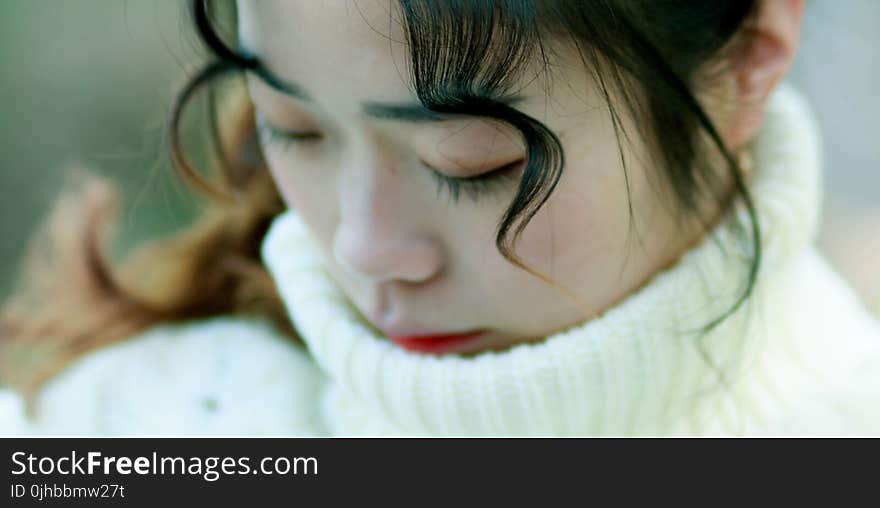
(71,298)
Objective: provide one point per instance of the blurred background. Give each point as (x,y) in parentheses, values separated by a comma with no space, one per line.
(88,84)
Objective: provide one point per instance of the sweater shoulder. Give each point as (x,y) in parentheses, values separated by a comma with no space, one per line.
(225,375)
(835,341)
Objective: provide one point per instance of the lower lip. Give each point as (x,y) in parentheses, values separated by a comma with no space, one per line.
(435,343)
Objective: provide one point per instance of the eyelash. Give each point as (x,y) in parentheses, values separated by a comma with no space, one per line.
(475,187)
(285,138)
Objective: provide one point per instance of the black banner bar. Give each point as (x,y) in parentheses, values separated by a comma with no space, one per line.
(146,471)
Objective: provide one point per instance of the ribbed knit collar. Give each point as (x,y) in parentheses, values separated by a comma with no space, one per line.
(643,367)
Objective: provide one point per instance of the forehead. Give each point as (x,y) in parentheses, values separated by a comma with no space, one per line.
(333,48)
(344,53)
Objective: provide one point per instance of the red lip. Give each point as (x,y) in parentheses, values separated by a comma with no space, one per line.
(434,343)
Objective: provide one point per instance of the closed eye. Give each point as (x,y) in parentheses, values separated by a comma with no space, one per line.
(283,138)
(488,182)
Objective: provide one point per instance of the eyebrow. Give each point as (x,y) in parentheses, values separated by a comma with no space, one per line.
(405,112)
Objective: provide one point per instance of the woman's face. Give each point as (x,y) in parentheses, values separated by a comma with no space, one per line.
(413,259)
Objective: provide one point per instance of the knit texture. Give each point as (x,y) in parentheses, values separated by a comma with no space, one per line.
(801,356)
(223,376)
(647,366)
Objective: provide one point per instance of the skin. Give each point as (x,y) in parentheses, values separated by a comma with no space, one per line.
(417,262)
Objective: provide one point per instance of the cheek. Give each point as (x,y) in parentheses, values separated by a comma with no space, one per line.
(562,242)
(292,182)
(578,239)
(578,231)
(290,191)
(312,196)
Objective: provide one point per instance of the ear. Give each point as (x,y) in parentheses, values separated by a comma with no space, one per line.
(769,45)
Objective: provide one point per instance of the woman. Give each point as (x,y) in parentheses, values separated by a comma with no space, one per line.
(481,218)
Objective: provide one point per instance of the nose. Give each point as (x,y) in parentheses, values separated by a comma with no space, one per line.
(382,234)
(385,257)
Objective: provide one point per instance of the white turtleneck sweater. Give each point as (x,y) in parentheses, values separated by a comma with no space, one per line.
(800,357)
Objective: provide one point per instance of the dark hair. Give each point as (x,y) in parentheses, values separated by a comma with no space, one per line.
(465,55)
